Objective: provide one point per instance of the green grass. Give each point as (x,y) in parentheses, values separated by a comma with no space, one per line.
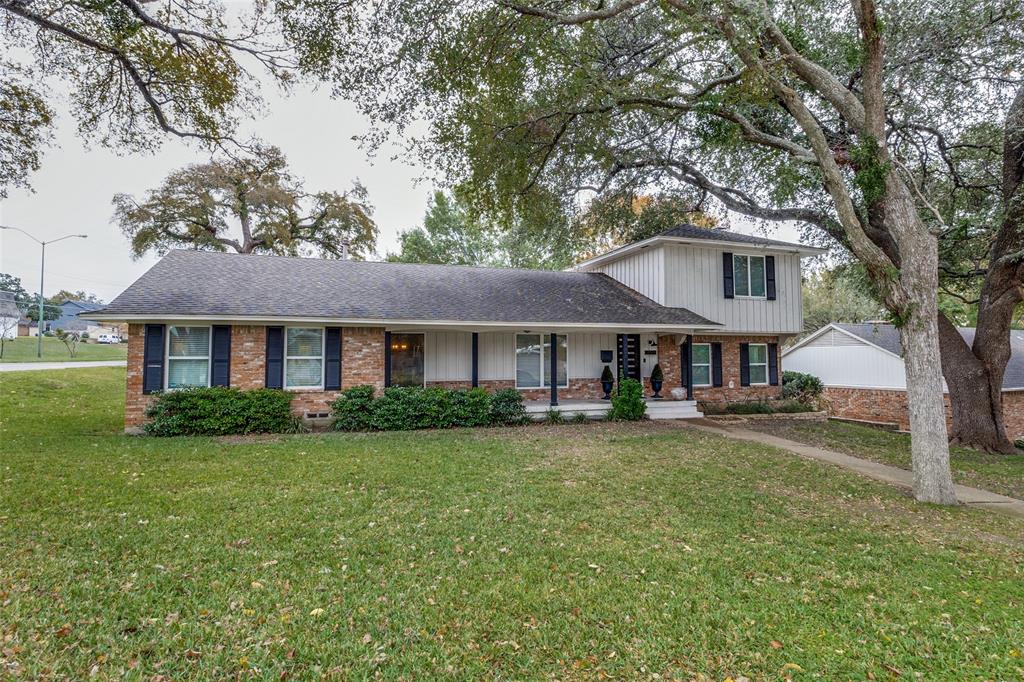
(998,473)
(573,552)
(23,349)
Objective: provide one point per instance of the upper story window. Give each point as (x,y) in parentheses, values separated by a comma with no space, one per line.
(304,357)
(188,357)
(749,276)
(533,360)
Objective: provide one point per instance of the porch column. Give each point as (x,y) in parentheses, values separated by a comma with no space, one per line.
(476,359)
(554,370)
(688,366)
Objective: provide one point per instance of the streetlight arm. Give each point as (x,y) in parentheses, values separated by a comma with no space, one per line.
(67,236)
(18,229)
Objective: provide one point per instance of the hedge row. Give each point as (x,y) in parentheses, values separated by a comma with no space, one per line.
(406,409)
(219,411)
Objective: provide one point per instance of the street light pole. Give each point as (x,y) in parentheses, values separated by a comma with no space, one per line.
(42,273)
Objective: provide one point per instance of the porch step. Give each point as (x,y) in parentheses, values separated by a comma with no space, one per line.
(598,409)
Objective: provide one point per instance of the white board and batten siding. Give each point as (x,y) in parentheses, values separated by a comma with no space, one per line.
(448,356)
(643,271)
(842,361)
(689,276)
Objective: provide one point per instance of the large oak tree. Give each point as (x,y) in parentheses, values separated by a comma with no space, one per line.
(250,204)
(795,111)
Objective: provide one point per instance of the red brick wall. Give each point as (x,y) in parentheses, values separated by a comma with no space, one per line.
(731,372)
(671,367)
(889,406)
(362,357)
(1013,413)
(248,356)
(135,401)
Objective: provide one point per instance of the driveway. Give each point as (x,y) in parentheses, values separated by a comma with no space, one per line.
(28,366)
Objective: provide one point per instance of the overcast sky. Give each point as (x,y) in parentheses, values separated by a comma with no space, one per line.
(74,187)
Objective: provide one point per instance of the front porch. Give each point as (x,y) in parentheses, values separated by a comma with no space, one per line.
(598,409)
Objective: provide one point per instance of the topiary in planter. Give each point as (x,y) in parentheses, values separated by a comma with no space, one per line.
(657,379)
(607,382)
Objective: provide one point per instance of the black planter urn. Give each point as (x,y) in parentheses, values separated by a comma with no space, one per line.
(607,386)
(656,387)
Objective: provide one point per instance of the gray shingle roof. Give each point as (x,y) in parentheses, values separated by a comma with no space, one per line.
(887,336)
(693,232)
(186,283)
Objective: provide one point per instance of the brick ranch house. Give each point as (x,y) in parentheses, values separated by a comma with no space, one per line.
(861,366)
(710,306)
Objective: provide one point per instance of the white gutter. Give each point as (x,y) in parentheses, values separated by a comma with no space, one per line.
(392,323)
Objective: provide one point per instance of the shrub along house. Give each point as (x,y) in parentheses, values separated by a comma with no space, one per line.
(709,306)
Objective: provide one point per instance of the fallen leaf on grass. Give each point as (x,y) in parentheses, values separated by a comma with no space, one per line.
(776,644)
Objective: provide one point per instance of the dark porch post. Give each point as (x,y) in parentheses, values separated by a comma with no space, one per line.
(688,359)
(554,370)
(476,359)
(387,359)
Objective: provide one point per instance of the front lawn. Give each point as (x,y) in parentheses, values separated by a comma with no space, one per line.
(998,473)
(572,552)
(23,349)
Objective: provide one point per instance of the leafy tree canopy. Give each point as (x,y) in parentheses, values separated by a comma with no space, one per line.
(250,204)
(452,233)
(135,71)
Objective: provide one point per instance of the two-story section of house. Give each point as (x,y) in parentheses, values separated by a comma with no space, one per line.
(748,285)
(710,307)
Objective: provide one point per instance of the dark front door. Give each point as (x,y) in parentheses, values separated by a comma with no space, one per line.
(629,356)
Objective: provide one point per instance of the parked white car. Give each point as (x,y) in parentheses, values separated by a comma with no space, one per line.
(108,338)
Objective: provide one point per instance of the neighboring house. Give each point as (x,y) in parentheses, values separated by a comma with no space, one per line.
(71,319)
(710,306)
(861,366)
(10,316)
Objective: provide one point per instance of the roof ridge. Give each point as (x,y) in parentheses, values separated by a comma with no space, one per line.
(489,268)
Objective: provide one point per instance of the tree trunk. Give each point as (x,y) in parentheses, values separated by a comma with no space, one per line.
(919,332)
(975,389)
(975,375)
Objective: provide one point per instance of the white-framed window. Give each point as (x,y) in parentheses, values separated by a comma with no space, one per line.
(188,356)
(304,357)
(748,275)
(700,364)
(757,355)
(533,360)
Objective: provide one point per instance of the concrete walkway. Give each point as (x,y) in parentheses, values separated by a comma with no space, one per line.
(28,366)
(901,478)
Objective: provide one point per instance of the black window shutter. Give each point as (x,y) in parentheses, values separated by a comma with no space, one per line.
(220,374)
(332,359)
(769,277)
(773,364)
(727,274)
(716,364)
(153,358)
(744,364)
(275,357)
